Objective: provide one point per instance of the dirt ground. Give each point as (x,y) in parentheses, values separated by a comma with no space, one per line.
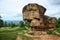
(41,36)
(18,38)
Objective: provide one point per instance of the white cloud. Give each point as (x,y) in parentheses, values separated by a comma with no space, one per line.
(11,17)
(12,9)
(51,9)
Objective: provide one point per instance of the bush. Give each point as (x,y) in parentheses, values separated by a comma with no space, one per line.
(57,29)
(27,25)
(24,25)
(49,32)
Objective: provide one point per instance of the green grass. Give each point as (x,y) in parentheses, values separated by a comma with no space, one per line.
(25,37)
(8,33)
(8,36)
(4,29)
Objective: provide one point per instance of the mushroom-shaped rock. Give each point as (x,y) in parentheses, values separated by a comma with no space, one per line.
(32,11)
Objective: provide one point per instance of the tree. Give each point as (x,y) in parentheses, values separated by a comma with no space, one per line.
(1,22)
(11,24)
(0,17)
(21,23)
(58,23)
(24,24)
(5,24)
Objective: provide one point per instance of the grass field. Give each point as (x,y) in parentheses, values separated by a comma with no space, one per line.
(8,36)
(8,33)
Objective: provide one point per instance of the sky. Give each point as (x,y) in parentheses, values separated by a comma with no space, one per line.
(12,9)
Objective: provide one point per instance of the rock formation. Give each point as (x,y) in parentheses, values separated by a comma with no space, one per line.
(34,14)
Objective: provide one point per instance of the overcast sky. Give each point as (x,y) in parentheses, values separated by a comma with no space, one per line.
(12,9)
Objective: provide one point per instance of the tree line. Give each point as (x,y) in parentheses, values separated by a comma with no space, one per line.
(22,23)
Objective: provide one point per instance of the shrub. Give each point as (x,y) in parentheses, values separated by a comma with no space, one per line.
(49,32)
(57,29)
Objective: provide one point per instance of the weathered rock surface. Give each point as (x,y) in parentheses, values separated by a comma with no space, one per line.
(40,35)
(34,13)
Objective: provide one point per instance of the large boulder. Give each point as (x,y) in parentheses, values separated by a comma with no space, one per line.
(32,11)
(34,14)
